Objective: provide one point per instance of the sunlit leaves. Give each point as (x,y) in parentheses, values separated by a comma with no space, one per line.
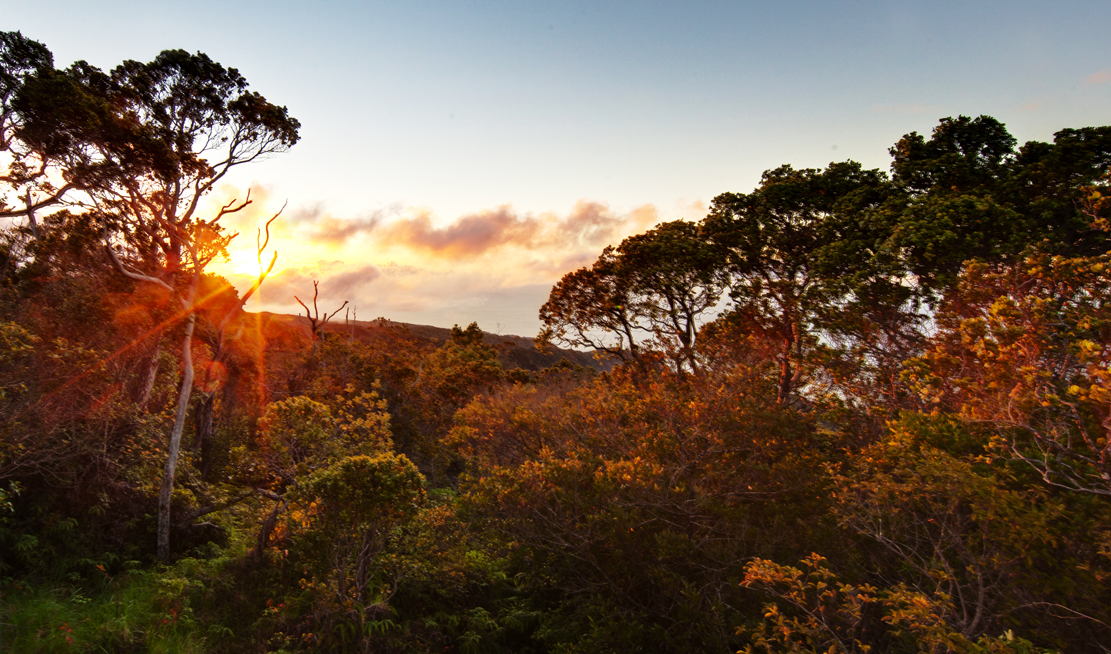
(646,490)
(814,611)
(1024,348)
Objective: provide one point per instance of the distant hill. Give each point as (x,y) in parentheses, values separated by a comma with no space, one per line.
(513,351)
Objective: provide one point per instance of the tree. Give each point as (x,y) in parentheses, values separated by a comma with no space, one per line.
(346,515)
(27,167)
(659,285)
(946,527)
(1049,185)
(799,250)
(316,324)
(589,306)
(181,123)
(640,494)
(964,155)
(969,194)
(677,278)
(820,613)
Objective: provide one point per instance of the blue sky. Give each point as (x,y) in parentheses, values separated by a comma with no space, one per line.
(518,115)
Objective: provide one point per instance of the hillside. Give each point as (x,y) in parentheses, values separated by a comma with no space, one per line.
(513,351)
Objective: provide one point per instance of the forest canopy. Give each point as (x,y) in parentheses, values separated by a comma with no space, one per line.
(848,410)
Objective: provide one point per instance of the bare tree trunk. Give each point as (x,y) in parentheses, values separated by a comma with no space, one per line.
(175,438)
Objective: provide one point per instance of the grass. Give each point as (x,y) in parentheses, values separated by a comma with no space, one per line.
(130,614)
(196,605)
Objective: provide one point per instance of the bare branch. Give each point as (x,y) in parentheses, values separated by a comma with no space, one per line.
(307,314)
(56,198)
(264,243)
(332,315)
(130,274)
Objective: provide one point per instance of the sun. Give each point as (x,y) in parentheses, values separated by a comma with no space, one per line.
(244,262)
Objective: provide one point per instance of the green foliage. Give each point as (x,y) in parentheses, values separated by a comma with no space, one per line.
(963,155)
(342,518)
(953,529)
(130,613)
(447,378)
(298,435)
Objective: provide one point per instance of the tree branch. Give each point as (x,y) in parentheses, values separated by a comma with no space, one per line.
(129,273)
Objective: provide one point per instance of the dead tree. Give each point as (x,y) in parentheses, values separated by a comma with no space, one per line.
(316,323)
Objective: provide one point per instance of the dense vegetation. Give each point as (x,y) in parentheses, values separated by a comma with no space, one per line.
(852,411)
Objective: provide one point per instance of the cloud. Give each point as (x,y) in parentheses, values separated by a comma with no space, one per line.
(1102,77)
(406,265)
(337,282)
(1032,105)
(353,281)
(394,269)
(467,237)
(325,228)
(589,225)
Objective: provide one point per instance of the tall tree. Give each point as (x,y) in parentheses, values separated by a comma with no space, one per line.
(800,249)
(963,155)
(677,278)
(590,308)
(656,287)
(970,194)
(179,124)
(25,175)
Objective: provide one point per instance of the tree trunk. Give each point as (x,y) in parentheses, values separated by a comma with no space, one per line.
(362,563)
(175,439)
(144,386)
(267,529)
(786,376)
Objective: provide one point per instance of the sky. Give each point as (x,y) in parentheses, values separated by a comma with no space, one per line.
(457,158)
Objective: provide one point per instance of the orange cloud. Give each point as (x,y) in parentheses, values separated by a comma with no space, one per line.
(588,225)
(353,281)
(593,225)
(469,236)
(338,282)
(1102,77)
(328,229)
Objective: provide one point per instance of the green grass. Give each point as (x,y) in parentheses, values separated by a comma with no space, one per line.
(130,614)
(211,603)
